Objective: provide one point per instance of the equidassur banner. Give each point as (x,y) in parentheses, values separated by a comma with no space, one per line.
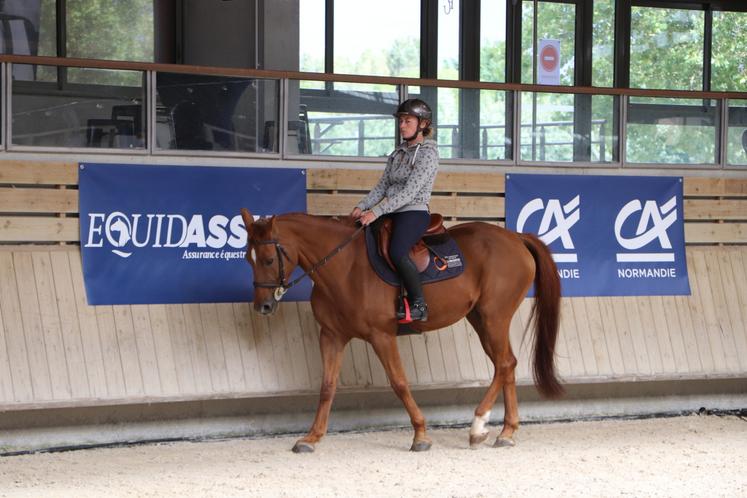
(610,235)
(174,234)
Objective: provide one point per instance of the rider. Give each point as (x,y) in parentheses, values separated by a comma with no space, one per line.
(403,193)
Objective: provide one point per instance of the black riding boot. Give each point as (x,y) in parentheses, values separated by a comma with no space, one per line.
(411,280)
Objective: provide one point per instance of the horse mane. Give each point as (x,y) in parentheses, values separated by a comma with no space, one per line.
(327,222)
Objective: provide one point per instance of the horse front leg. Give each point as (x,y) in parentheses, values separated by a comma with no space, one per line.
(385,346)
(332,347)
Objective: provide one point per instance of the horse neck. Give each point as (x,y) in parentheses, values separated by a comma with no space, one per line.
(314,238)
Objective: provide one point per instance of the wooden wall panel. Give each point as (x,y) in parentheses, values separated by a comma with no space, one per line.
(37,229)
(54,348)
(17,172)
(37,200)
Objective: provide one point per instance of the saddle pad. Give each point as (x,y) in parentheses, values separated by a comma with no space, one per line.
(446,249)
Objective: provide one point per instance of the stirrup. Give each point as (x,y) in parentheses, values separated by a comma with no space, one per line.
(417,312)
(402,307)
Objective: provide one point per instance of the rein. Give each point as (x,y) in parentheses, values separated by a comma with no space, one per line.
(281,287)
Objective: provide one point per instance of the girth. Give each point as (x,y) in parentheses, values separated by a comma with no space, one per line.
(419,253)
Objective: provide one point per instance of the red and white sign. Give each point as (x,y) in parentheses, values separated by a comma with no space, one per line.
(548,62)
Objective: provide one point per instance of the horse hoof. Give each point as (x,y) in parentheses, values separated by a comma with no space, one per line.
(504,442)
(302,447)
(420,446)
(476,440)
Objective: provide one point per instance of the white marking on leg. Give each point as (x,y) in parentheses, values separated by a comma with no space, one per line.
(478,425)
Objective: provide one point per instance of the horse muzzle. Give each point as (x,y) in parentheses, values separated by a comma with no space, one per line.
(266,307)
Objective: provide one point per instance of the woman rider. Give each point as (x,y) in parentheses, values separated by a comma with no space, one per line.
(403,193)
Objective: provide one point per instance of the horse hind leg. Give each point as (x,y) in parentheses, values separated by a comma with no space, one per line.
(494,336)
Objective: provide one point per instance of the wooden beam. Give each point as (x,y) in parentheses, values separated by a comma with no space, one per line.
(710,209)
(19,172)
(38,200)
(715,233)
(37,229)
(715,187)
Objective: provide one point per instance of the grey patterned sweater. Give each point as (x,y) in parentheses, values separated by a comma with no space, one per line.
(407,180)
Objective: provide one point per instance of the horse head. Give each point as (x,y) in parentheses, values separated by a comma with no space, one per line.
(272,262)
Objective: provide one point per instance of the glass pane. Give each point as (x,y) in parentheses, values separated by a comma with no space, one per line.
(110,30)
(445,103)
(729,59)
(678,131)
(87,114)
(555,21)
(28,27)
(377,38)
(603,43)
(666,48)
(495,135)
(311,39)
(448,40)
(605,137)
(493,40)
(218,113)
(565,127)
(352,120)
(469,124)
(737,133)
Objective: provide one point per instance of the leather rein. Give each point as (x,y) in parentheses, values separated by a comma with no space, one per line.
(281,286)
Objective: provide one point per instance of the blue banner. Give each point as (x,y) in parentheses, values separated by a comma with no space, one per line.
(610,235)
(174,234)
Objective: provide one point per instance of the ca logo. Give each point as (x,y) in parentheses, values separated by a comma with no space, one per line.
(564,218)
(652,225)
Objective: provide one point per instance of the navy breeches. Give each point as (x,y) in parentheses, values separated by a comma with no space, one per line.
(407,228)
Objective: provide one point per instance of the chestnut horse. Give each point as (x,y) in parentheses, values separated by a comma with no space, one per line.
(349,300)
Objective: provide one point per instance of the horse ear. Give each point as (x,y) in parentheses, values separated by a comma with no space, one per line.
(248,220)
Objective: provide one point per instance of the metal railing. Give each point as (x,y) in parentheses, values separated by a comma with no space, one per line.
(321,143)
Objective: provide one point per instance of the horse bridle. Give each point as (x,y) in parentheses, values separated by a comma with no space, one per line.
(280,286)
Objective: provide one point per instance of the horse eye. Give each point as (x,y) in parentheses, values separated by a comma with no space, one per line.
(269,262)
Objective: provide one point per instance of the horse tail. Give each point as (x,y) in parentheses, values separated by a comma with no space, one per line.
(546,315)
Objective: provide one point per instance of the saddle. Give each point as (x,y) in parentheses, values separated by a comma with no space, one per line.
(419,254)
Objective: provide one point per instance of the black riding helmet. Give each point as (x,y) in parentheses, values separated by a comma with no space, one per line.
(414,107)
(419,109)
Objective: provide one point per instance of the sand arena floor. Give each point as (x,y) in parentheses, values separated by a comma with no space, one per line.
(680,456)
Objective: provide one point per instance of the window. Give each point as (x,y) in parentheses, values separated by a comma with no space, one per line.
(377,38)
(448,40)
(311,36)
(666,48)
(84,115)
(103,29)
(555,21)
(729,56)
(677,131)
(603,43)
(493,40)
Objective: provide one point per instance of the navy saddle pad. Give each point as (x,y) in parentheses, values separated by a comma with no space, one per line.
(450,254)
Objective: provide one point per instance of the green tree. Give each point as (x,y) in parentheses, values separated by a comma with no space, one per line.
(403,58)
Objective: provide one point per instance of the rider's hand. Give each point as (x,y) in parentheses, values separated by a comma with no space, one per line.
(356,213)
(367,218)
